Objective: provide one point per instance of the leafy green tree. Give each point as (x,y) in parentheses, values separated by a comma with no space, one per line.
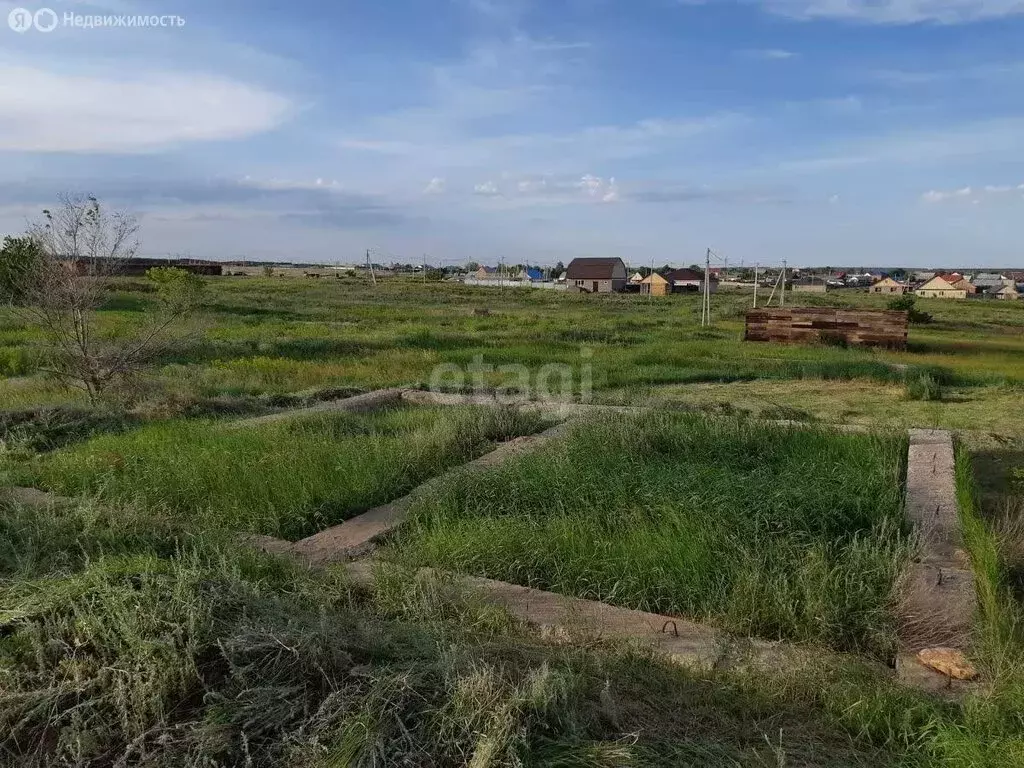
(906,303)
(178,290)
(21,260)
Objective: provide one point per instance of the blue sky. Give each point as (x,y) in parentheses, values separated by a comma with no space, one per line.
(855,132)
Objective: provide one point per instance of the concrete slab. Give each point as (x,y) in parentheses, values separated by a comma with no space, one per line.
(689,644)
(33,497)
(938,600)
(358,536)
(564,410)
(370,401)
(914,674)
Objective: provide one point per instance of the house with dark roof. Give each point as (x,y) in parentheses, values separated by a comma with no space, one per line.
(683,280)
(596,275)
(990,282)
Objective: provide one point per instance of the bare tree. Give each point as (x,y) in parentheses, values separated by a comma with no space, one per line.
(81,249)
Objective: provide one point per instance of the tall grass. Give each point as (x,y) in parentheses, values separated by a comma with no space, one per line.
(286,479)
(768,531)
(181,649)
(992,733)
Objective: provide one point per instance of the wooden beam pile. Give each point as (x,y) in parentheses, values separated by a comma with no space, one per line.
(822,325)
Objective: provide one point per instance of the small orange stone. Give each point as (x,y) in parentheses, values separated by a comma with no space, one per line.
(949,662)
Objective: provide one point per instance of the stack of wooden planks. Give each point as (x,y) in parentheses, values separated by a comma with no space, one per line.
(822,325)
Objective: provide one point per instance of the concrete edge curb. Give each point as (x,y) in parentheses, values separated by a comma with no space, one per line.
(937,601)
(357,536)
(368,401)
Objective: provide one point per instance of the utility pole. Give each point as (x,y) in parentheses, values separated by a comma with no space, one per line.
(705,315)
(755,285)
(423,268)
(782,296)
(650,285)
(774,289)
(369,264)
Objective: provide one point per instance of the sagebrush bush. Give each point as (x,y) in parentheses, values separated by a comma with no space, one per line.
(923,387)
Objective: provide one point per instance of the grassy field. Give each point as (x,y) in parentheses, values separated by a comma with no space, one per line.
(152,645)
(257,336)
(134,631)
(146,642)
(767,531)
(288,479)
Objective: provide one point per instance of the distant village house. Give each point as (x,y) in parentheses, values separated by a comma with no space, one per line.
(676,281)
(943,287)
(533,274)
(1008,293)
(888,286)
(596,275)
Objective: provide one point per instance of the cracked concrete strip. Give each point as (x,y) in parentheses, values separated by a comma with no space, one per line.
(369,401)
(938,602)
(556,408)
(33,497)
(564,410)
(358,536)
(689,644)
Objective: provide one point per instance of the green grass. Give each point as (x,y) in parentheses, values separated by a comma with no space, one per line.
(288,479)
(134,639)
(178,648)
(994,730)
(255,336)
(924,387)
(133,631)
(767,531)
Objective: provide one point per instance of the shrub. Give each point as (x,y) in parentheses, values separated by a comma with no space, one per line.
(20,260)
(924,387)
(905,303)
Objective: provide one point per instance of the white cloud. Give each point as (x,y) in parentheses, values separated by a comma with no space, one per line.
(521,191)
(434,187)
(896,11)
(289,184)
(531,186)
(926,146)
(973,195)
(1009,72)
(43,111)
(460,123)
(770,54)
(596,187)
